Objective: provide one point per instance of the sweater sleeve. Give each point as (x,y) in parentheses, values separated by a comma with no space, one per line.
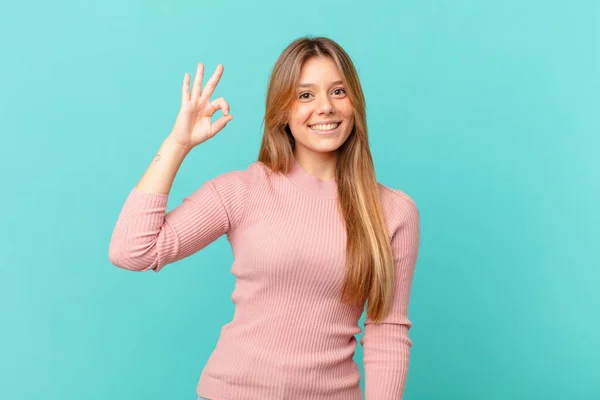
(146,237)
(386,346)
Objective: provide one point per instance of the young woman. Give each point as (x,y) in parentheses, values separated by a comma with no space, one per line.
(314,236)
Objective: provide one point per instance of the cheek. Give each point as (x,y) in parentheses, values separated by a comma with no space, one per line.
(298,119)
(303,114)
(345,109)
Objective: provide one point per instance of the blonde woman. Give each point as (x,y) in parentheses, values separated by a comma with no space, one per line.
(315,237)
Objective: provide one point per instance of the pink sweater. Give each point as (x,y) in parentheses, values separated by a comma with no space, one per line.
(290,337)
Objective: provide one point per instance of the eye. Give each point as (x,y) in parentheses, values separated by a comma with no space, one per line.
(303,95)
(338,90)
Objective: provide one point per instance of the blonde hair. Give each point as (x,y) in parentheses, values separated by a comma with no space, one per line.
(369,267)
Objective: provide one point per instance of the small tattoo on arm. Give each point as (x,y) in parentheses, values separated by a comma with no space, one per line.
(157,157)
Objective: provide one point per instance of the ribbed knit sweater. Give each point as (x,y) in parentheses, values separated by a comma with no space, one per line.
(290,336)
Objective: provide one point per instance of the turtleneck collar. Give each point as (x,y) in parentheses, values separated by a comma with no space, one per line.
(309,183)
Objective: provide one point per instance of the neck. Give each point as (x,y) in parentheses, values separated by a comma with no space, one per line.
(321,166)
(311,184)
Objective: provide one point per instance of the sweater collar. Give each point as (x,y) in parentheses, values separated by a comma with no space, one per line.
(309,183)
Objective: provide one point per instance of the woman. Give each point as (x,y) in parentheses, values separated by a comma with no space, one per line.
(313,234)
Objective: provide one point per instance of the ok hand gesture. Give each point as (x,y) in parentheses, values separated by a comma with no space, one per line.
(193,125)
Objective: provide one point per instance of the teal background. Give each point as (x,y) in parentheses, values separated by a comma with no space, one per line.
(486,113)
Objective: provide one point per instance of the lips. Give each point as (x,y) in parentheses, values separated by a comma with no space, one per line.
(325,127)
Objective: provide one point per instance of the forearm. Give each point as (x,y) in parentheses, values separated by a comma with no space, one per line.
(161,173)
(386,360)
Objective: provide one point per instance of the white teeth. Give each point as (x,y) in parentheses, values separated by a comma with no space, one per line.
(327,127)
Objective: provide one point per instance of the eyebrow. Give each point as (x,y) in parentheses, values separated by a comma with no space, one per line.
(313,85)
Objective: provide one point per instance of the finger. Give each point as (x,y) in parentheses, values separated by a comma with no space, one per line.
(197,82)
(218,104)
(185,90)
(210,86)
(220,124)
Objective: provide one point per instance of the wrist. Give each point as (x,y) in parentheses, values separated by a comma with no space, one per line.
(173,145)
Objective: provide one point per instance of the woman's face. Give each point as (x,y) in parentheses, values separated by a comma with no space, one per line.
(322,117)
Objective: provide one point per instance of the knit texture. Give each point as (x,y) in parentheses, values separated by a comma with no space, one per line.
(290,336)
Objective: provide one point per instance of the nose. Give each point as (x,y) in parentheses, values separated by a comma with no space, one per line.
(325,106)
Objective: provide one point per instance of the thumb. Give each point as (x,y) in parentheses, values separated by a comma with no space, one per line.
(220,123)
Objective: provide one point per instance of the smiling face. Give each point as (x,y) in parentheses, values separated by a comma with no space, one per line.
(322,116)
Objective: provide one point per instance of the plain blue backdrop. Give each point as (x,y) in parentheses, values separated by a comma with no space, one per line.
(485,113)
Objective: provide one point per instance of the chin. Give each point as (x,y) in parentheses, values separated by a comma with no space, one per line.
(326,150)
(325,147)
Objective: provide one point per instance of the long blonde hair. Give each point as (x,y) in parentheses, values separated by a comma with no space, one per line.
(369,267)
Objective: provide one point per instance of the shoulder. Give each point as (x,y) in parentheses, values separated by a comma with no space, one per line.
(398,206)
(242,179)
(235,187)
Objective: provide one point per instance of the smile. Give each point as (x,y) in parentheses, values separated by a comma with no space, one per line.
(325,128)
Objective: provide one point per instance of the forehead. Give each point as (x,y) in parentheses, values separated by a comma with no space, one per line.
(319,70)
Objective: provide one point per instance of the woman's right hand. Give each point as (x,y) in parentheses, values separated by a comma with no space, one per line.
(193,125)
